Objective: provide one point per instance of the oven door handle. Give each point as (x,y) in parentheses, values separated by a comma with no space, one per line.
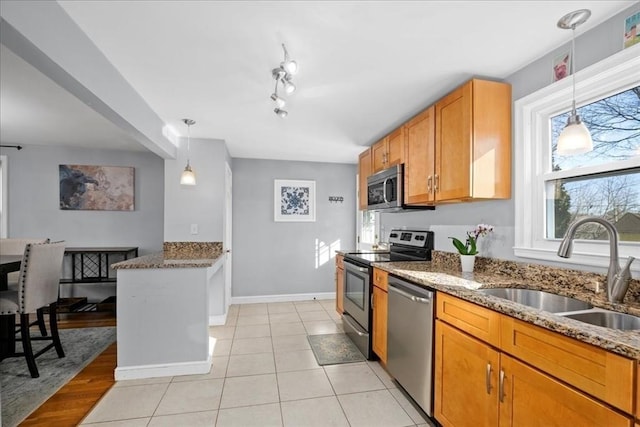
(355,267)
(355,328)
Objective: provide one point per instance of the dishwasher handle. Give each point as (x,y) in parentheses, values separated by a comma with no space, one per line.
(409,296)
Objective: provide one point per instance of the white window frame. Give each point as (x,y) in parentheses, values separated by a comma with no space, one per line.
(532,113)
(4,196)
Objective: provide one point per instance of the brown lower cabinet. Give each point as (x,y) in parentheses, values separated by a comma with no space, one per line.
(479,384)
(380,311)
(380,304)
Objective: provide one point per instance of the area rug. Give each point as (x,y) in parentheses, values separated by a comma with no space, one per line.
(333,349)
(20,394)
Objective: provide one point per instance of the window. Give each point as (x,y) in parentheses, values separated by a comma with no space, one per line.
(3,196)
(368,225)
(553,190)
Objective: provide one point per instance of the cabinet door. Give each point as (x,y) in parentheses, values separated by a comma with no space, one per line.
(379,155)
(364,170)
(466,379)
(453,144)
(419,161)
(638,395)
(532,398)
(379,343)
(395,147)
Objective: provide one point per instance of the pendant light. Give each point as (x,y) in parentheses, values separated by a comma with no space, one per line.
(188,177)
(575,137)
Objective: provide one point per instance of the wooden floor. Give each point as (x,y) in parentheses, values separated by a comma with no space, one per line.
(74,401)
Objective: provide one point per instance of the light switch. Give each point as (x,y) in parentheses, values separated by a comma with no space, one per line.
(194,228)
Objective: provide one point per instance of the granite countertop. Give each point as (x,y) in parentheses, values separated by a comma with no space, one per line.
(177,255)
(449,279)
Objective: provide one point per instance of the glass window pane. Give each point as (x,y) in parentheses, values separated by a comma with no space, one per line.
(613,196)
(614,123)
(368,234)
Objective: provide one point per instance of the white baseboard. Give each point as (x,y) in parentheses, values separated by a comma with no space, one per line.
(162,370)
(282,298)
(218,320)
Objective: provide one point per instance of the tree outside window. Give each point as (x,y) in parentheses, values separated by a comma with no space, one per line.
(604,190)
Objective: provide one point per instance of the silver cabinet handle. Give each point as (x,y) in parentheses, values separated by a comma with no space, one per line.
(411,297)
(371,300)
(501,389)
(488,379)
(436,183)
(429,183)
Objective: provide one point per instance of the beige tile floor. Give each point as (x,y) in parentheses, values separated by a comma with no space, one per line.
(264,374)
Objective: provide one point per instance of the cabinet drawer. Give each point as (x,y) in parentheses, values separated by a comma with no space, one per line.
(339,261)
(381,279)
(480,322)
(593,370)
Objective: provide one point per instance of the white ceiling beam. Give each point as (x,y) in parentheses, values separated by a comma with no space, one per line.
(42,34)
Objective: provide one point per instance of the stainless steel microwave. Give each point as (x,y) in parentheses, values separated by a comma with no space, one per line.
(385,189)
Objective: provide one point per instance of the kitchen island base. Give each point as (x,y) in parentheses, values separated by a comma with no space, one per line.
(163,321)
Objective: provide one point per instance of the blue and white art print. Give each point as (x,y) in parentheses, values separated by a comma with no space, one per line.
(294,200)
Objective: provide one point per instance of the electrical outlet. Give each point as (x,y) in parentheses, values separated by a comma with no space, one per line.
(194,228)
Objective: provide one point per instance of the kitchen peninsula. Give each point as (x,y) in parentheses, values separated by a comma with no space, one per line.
(166,302)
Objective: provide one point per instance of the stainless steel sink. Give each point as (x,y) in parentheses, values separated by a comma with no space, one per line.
(538,299)
(607,319)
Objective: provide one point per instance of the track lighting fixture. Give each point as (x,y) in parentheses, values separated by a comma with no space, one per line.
(575,137)
(283,75)
(281,113)
(188,177)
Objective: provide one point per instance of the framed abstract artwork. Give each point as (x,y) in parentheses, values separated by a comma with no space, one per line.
(98,188)
(294,200)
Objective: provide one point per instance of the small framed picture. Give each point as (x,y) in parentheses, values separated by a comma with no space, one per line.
(294,200)
(561,66)
(632,30)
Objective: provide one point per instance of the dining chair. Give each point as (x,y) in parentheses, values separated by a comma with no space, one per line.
(37,287)
(13,246)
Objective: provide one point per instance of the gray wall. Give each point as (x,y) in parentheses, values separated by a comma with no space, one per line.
(33,203)
(278,258)
(454,220)
(202,204)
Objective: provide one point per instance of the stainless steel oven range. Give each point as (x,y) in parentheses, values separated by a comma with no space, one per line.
(404,245)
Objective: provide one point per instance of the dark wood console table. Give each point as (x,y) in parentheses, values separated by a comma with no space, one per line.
(91,264)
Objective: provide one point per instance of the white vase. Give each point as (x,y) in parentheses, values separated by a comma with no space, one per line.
(467,261)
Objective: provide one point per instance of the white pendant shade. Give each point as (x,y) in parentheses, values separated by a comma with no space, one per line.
(574,139)
(188,177)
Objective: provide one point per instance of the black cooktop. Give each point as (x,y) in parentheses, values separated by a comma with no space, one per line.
(371,257)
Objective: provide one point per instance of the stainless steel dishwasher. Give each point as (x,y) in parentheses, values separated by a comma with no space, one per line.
(410,340)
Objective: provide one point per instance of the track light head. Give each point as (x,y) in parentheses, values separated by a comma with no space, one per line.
(281,113)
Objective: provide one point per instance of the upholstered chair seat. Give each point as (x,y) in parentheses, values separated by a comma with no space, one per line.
(13,246)
(38,283)
(16,247)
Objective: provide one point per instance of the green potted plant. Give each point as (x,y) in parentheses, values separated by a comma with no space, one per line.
(469,249)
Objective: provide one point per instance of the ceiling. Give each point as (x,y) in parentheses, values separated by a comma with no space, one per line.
(365,67)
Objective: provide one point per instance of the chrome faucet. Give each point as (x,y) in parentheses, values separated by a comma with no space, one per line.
(617,278)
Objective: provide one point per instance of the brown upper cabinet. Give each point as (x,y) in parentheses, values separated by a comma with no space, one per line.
(473,142)
(456,150)
(420,165)
(364,170)
(389,151)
